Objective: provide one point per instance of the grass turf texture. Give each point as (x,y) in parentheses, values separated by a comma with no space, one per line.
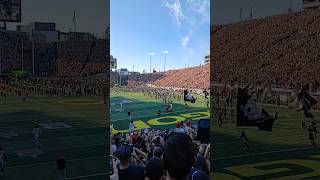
(284,153)
(144,111)
(84,145)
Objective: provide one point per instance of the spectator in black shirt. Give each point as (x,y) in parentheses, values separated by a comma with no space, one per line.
(154,169)
(126,170)
(61,167)
(179,157)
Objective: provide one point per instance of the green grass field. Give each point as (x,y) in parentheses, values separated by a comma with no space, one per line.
(144,111)
(84,144)
(284,153)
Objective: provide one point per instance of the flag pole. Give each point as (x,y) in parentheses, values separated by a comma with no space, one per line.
(22,63)
(32,53)
(74,24)
(0,61)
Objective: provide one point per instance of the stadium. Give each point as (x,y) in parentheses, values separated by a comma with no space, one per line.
(157,105)
(160,92)
(53,86)
(271,62)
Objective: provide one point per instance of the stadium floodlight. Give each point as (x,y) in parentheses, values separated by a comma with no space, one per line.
(164,61)
(0,60)
(151,54)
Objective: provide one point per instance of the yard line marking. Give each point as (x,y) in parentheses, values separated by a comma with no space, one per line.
(63,137)
(231,142)
(90,175)
(53,162)
(53,130)
(266,152)
(69,147)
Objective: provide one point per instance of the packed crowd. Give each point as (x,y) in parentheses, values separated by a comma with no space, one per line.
(10,49)
(157,155)
(191,78)
(281,48)
(63,59)
(141,79)
(84,58)
(165,94)
(55,87)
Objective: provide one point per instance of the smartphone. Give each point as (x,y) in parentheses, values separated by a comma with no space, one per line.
(111,170)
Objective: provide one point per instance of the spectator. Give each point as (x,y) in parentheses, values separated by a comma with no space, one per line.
(154,169)
(179,158)
(126,170)
(61,167)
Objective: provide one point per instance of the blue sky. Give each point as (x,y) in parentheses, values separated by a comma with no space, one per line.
(142,26)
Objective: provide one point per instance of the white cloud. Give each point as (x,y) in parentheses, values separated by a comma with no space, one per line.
(185,41)
(202,8)
(175,11)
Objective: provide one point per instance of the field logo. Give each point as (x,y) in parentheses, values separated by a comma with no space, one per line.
(164,121)
(55,126)
(279,170)
(29,153)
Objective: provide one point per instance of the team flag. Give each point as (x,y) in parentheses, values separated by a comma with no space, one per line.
(306,101)
(250,114)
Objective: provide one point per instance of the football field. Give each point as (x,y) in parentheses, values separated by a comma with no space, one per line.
(144,112)
(72,126)
(284,153)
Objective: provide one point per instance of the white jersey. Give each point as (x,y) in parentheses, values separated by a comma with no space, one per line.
(1,155)
(36,132)
(131,126)
(2,161)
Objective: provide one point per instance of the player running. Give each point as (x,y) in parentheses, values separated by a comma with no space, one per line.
(168,107)
(205,93)
(311,136)
(129,116)
(3,159)
(36,134)
(314,128)
(131,126)
(276,117)
(244,141)
(121,108)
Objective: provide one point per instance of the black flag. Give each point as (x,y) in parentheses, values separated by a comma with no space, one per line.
(188,97)
(249,113)
(306,101)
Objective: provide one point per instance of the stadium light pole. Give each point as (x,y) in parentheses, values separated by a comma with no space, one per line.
(32,52)
(22,63)
(164,62)
(0,61)
(150,54)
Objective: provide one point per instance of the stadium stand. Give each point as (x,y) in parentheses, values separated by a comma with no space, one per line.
(136,152)
(64,59)
(282,49)
(191,78)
